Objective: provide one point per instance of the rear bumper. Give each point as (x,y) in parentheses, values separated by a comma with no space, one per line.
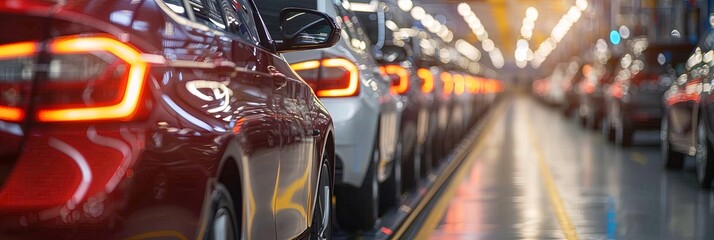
(355,123)
(647,117)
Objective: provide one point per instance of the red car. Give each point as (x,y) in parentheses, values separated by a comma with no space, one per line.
(154,119)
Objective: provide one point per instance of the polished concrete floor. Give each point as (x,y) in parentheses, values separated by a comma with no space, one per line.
(540,176)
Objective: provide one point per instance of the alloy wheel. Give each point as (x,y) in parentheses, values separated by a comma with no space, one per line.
(222,225)
(321,222)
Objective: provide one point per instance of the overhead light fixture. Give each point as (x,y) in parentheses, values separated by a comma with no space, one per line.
(405,5)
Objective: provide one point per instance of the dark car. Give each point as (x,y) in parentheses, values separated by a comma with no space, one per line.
(688,123)
(591,92)
(154,119)
(633,100)
(569,84)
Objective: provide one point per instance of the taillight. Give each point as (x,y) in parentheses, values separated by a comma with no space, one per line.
(91,78)
(399,76)
(17,68)
(643,77)
(427,78)
(448,82)
(335,77)
(472,84)
(459,84)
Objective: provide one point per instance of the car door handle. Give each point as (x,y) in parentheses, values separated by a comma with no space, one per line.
(225,68)
(314,132)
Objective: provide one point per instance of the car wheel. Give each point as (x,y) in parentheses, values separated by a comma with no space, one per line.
(590,121)
(391,189)
(427,156)
(321,227)
(670,158)
(623,133)
(606,129)
(411,166)
(223,224)
(357,207)
(705,163)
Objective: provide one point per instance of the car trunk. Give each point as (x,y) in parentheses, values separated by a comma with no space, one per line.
(19,70)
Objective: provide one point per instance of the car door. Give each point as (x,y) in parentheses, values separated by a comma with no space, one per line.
(297,173)
(237,90)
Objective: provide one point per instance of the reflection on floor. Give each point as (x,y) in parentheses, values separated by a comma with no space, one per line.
(541,176)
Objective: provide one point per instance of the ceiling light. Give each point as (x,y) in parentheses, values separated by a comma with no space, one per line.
(418,13)
(405,5)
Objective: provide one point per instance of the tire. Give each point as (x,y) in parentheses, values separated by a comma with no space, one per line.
(357,207)
(411,166)
(223,224)
(390,190)
(704,158)
(426,161)
(670,158)
(606,130)
(321,227)
(623,134)
(590,121)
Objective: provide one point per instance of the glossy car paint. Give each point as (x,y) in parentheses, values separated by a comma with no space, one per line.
(688,101)
(261,132)
(363,119)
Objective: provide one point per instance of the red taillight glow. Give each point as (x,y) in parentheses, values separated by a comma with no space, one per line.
(127,105)
(338,77)
(473,84)
(12,114)
(427,78)
(459,84)
(22,49)
(399,77)
(448,83)
(9,112)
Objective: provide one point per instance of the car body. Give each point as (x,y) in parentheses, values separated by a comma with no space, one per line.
(364,111)
(394,51)
(572,78)
(551,87)
(430,72)
(155,119)
(633,100)
(591,92)
(686,128)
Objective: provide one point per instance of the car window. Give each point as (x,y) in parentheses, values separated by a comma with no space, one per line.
(176,6)
(270,12)
(234,16)
(239,19)
(208,13)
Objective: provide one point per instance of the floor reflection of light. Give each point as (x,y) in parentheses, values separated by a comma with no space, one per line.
(533,208)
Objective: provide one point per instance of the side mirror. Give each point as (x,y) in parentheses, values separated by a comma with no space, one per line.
(305,29)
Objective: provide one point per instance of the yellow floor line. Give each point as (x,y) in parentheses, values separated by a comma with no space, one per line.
(432,220)
(555,200)
(639,158)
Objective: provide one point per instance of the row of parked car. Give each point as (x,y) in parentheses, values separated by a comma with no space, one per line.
(643,85)
(221,119)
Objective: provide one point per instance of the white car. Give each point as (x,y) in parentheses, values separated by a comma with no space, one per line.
(347,80)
